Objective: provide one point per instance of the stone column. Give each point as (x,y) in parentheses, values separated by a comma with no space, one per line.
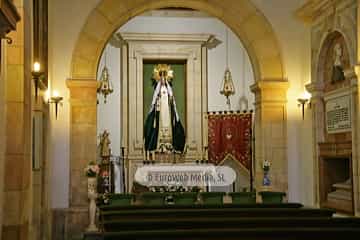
(82,136)
(358,38)
(355,143)
(356,140)
(356,168)
(270,132)
(318,115)
(2,130)
(16,202)
(83,133)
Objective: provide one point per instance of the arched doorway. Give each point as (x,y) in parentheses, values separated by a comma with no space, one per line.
(245,21)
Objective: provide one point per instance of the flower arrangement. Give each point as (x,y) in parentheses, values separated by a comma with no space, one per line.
(163,189)
(266,166)
(92,170)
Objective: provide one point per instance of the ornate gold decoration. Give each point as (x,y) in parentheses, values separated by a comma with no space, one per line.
(227,87)
(163,70)
(105,87)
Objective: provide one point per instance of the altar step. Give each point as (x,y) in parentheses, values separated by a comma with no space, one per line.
(253,221)
(230,234)
(111,213)
(230,223)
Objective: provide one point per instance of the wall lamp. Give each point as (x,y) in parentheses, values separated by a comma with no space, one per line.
(56,99)
(37,75)
(302,100)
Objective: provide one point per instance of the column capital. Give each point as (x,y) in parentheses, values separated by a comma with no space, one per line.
(270,84)
(315,88)
(81,83)
(84,90)
(270,91)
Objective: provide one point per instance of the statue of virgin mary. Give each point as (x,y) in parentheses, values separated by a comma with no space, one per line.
(163,131)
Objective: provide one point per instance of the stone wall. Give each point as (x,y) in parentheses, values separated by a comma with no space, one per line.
(17,169)
(332,21)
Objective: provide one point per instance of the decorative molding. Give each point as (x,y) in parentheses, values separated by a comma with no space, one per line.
(335,149)
(312,10)
(270,83)
(117,41)
(163,37)
(8,17)
(188,47)
(212,42)
(176,13)
(316,89)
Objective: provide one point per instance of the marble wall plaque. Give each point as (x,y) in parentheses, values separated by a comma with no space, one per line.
(338,114)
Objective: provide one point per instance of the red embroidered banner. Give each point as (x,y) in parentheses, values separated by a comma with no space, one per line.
(230,134)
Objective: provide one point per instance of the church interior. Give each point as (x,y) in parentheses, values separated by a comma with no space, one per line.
(179,119)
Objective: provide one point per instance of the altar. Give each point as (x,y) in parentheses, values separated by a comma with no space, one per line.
(230,138)
(188,52)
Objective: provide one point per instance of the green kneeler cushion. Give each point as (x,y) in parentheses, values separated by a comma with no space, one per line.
(185,198)
(121,199)
(214,198)
(153,198)
(243,197)
(272,197)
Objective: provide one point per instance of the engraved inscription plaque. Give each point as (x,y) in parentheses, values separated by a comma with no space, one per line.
(338,114)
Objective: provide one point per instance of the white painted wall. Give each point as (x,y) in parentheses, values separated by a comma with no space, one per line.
(66,19)
(109,114)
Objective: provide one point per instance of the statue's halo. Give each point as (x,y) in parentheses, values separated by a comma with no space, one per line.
(163,68)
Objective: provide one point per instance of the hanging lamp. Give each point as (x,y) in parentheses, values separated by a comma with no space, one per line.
(105,87)
(227,86)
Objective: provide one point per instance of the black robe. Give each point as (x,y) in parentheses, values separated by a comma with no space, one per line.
(151,130)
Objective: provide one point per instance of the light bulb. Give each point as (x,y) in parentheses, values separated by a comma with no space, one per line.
(36,67)
(305,95)
(55,93)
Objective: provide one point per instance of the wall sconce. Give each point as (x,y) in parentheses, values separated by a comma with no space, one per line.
(56,99)
(37,75)
(302,100)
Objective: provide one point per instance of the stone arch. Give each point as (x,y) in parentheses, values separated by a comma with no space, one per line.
(242,17)
(246,22)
